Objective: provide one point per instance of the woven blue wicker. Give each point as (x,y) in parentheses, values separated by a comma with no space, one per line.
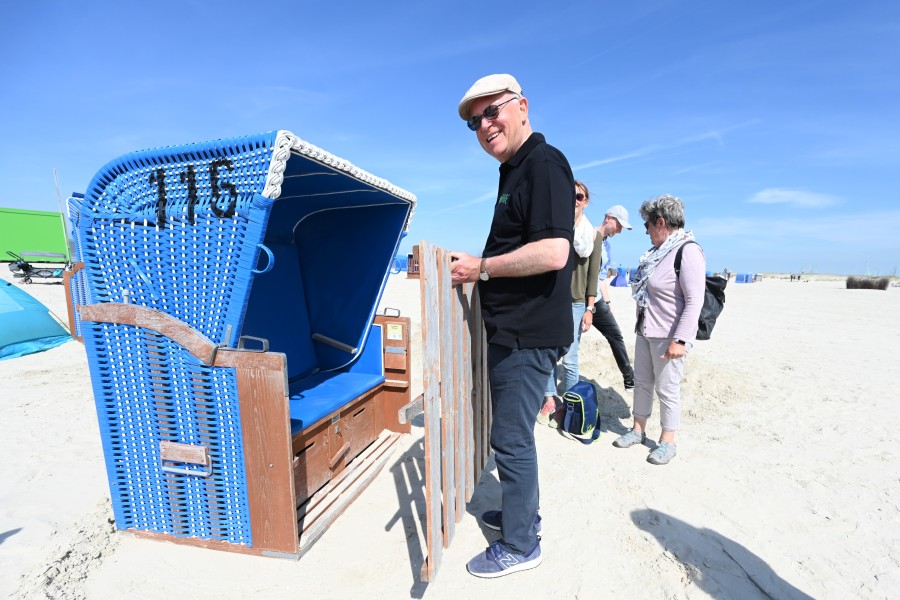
(186,259)
(193,231)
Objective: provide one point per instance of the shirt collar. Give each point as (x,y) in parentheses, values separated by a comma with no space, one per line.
(533,140)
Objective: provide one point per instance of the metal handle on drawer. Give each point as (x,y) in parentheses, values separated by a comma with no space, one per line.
(184,471)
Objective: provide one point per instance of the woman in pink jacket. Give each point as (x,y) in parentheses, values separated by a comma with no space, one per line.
(668,308)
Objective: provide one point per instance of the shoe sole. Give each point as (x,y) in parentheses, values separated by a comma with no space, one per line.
(525,566)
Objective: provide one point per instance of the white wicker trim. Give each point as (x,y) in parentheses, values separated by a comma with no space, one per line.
(286,142)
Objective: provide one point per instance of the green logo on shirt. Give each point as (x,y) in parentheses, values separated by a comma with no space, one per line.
(503,199)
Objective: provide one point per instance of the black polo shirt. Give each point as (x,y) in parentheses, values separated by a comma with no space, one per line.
(535,201)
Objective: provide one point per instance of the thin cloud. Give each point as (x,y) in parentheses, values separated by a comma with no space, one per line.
(798,198)
(846,228)
(479,200)
(605,161)
(693,168)
(717,135)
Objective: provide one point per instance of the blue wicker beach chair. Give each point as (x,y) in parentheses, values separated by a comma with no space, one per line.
(246,390)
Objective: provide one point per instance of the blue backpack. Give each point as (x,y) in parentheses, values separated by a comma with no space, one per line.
(581,418)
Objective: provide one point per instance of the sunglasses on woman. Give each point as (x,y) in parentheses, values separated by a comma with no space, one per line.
(491,112)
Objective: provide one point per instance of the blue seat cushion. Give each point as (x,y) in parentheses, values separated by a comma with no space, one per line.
(317,396)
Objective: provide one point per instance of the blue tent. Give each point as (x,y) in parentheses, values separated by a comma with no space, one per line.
(621,279)
(25,324)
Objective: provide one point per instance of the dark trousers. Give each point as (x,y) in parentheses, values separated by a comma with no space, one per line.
(518,378)
(606,324)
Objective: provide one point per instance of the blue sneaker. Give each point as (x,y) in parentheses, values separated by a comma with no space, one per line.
(498,561)
(493,518)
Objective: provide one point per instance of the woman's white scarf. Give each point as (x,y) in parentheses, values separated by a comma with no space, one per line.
(584,237)
(648,262)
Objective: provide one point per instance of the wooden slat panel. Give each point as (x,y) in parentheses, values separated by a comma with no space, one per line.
(477,387)
(457,411)
(484,402)
(465,399)
(461,460)
(448,397)
(266,431)
(487,404)
(429,278)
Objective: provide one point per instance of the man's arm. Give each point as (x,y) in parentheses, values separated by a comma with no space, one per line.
(604,290)
(549,254)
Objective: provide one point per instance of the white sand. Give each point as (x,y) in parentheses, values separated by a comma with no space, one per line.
(786,484)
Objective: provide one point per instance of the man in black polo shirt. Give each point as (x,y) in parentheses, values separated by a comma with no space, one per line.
(524,277)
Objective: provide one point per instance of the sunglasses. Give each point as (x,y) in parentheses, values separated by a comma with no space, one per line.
(491,112)
(579,197)
(647,224)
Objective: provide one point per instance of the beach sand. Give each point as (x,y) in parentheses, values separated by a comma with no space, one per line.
(786,483)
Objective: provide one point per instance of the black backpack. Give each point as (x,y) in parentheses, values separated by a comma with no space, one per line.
(713,299)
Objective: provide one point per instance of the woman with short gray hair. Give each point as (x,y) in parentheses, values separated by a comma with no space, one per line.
(668,309)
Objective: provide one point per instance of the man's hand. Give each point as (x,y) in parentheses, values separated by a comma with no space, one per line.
(586,321)
(464,267)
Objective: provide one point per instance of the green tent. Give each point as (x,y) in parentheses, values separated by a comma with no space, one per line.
(32,231)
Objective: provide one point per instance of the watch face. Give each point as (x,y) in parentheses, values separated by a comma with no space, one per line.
(483,276)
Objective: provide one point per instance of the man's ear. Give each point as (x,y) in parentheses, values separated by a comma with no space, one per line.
(523,108)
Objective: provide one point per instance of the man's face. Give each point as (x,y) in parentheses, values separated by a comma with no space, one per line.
(503,135)
(612,226)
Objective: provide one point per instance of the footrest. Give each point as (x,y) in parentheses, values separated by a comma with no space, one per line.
(317,514)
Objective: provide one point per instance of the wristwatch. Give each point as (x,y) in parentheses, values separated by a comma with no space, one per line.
(682,342)
(593,309)
(484,274)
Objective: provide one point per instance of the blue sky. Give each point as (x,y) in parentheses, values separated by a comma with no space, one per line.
(778,123)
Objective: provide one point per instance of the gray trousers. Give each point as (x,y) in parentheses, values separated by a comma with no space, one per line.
(651,372)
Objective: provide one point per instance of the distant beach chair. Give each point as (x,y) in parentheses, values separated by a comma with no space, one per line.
(24,270)
(247,391)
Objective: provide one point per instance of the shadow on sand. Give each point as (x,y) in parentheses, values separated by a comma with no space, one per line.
(9,534)
(613,408)
(717,565)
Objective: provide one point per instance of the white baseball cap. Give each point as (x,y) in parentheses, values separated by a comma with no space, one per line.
(621,215)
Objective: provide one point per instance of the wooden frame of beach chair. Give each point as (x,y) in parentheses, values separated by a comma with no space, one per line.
(238,417)
(74,297)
